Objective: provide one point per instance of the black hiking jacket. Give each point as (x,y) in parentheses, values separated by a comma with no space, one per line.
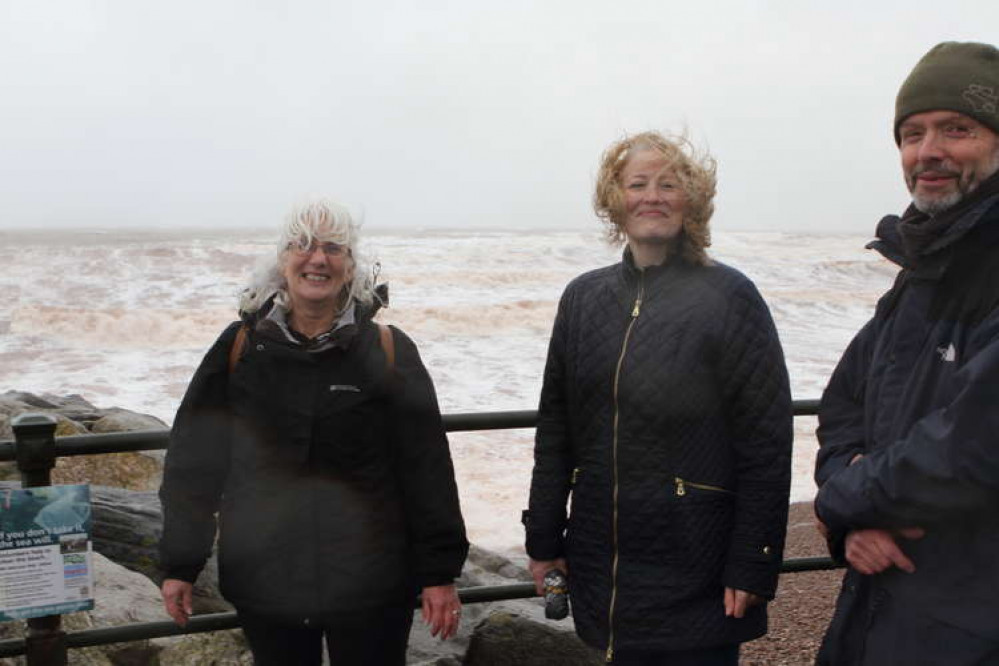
(330,474)
(916,393)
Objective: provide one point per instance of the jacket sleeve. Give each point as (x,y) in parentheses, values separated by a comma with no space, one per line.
(841,411)
(425,472)
(841,431)
(545,520)
(197,463)
(946,465)
(758,400)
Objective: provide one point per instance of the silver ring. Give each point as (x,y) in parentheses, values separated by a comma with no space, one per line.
(456,612)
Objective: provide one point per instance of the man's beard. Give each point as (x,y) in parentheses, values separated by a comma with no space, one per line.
(965,185)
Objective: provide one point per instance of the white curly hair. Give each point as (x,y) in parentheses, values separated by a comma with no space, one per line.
(321,220)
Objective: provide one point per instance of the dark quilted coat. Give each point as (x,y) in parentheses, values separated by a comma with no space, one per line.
(916,394)
(699,481)
(330,474)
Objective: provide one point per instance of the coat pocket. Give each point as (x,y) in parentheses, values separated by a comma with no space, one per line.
(684,486)
(703,514)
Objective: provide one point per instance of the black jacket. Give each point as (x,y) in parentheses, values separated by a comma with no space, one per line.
(916,393)
(331,477)
(666,412)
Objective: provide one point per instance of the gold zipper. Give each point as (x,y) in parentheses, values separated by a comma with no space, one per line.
(575,476)
(635,311)
(682,485)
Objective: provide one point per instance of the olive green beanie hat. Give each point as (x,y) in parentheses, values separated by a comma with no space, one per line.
(953,76)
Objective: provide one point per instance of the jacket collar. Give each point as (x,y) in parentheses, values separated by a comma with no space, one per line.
(631,272)
(271,322)
(933,263)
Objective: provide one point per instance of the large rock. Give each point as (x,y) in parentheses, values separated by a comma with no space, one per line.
(71,407)
(136,471)
(483,568)
(505,639)
(126,527)
(123,420)
(76,416)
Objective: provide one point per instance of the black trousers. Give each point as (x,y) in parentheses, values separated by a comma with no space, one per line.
(369,637)
(727,655)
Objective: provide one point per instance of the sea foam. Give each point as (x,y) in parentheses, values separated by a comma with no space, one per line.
(125,319)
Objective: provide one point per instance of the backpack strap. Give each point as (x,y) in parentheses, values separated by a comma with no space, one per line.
(238,347)
(388,346)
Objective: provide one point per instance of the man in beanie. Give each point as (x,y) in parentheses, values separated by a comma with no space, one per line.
(908,468)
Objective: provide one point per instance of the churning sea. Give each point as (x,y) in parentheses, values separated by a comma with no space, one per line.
(123,318)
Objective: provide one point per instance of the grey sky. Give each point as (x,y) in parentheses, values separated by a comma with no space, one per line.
(450,114)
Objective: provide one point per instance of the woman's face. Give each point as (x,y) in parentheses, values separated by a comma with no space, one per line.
(653,199)
(317,274)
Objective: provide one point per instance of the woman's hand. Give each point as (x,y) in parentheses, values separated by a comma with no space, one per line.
(737,601)
(441,610)
(177,599)
(539,568)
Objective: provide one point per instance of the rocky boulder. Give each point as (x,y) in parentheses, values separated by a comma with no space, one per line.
(505,639)
(126,528)
(76,416)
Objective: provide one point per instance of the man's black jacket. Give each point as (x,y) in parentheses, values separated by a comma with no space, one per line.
(917,393)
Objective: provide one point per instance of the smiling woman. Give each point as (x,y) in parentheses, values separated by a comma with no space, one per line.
(315,435)
(665,414)
(648,175)
(324,225)
(316,273)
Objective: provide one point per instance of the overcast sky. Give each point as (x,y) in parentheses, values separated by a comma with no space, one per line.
(208,113)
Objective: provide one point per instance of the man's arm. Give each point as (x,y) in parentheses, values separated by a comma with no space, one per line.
(947,464)
(841,411)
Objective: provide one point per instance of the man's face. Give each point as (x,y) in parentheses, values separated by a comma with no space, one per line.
(945,156)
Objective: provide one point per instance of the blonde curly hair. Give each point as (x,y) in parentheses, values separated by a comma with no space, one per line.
(695,170)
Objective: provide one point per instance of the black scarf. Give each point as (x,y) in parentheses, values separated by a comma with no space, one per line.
(919,231)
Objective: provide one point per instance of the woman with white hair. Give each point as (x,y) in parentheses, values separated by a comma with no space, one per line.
(315,436)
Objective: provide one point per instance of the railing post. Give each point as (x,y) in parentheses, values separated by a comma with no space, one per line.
(34,449)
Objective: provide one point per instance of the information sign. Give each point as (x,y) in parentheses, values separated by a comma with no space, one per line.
(45,554)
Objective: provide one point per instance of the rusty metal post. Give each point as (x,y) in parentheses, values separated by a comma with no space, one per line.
(34,449)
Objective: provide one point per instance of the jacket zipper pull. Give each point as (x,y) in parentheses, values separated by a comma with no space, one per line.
(681,490)
(575,476)
(610,655)
(638,297)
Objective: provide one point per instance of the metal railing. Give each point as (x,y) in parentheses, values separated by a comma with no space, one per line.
(35,449)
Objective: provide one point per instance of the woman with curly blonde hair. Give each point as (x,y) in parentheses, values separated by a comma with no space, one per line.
(666,415)
(694,174)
